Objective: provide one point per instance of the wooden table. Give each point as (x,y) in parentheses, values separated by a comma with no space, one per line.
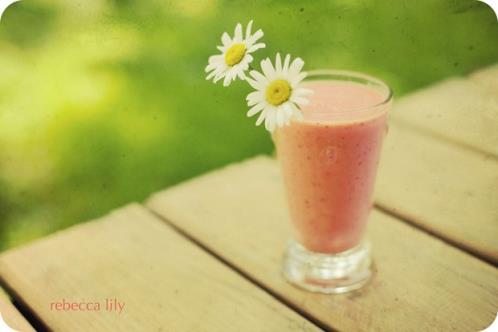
(205,255)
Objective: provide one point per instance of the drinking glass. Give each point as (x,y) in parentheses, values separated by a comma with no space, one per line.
(329,160)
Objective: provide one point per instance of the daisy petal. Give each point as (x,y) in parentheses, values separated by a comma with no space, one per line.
(278,65)
(260,78)
(261,117)
(287,110)
(302,92)
(299,115)
(217,73)
(268,70)
(225,39)
(272,123)
(299,100)
(215,58)
(248,29)
(286,63)
(213,74)
(256,47)
(228,78)
(280,117)
(210,76)
(241,75)
(295,80)
(254,38)
(235,72)
(254,98)
(271,119)
(296,112)
(211,66)
(244,63)
(218,77)
(248,59)
(253,83)
(256,109)
(296,67)
(238,33)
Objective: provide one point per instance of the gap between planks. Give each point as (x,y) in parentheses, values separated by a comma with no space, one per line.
(416,273)
(442,188)
(13,315)
(27,313)
(435,234)
(241,272)
(179,285)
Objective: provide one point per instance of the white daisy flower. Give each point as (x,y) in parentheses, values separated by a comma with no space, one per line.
(235,55)
(278,95)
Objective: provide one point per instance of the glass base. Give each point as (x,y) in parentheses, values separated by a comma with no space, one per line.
(328,273)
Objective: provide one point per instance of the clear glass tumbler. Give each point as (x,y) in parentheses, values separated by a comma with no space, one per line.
(329,162)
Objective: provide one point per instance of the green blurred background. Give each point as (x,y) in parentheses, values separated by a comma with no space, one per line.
(104,102)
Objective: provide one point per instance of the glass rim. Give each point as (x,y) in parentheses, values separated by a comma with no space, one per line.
(354,77)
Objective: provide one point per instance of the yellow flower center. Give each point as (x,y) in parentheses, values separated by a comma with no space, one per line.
(234,54)
(278,92)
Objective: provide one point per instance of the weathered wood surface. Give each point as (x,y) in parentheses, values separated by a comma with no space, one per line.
(460,110)
(11,316)
(166,282)
(449,191)
(487,78)
(439,167)
(439,171)
(420,283)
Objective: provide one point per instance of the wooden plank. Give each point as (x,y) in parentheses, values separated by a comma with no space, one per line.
(11,316)
(420,283)
(166,282)
(487,78)
(457,109)
(442,188)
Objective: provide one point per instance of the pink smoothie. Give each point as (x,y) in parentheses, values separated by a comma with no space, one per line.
(329,161)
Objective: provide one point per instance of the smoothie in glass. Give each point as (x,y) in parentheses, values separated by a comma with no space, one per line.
(329,161)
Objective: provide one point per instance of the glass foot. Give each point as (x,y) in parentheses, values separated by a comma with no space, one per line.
(328,273)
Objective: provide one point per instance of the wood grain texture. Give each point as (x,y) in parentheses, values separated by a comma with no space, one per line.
(166,282)
(420,284)
(458,109)
(487,78)
(447,190)
(12,316)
